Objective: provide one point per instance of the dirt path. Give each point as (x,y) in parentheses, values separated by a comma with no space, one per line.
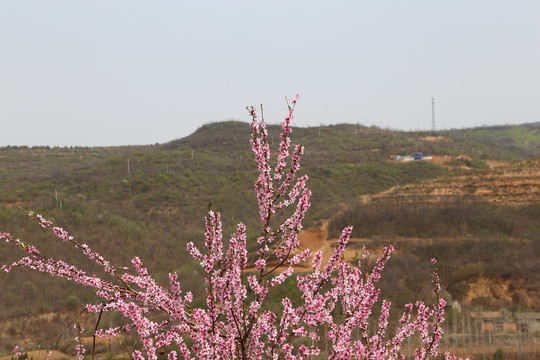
(317,240)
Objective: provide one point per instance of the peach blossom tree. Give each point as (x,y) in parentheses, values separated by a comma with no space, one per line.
(337,297)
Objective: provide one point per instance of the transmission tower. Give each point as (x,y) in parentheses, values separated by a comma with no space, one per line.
(433,126)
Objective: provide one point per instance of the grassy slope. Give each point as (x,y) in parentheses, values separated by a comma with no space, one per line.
(525,137)
(156,208)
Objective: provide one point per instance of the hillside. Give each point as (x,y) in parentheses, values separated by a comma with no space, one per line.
(525,137)
(482,227)
(151,200)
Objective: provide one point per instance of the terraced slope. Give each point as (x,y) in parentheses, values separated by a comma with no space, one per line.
(517,183)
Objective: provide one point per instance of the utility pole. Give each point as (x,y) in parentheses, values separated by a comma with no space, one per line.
(433,126)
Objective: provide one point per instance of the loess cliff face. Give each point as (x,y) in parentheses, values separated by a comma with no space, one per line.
(517,291)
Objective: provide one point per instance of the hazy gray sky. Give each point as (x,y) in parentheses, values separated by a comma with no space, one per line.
(121,72)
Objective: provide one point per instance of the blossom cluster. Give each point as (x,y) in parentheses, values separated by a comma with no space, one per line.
(337,298)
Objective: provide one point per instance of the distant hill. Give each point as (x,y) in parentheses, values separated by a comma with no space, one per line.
(525,136)
(151,200)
